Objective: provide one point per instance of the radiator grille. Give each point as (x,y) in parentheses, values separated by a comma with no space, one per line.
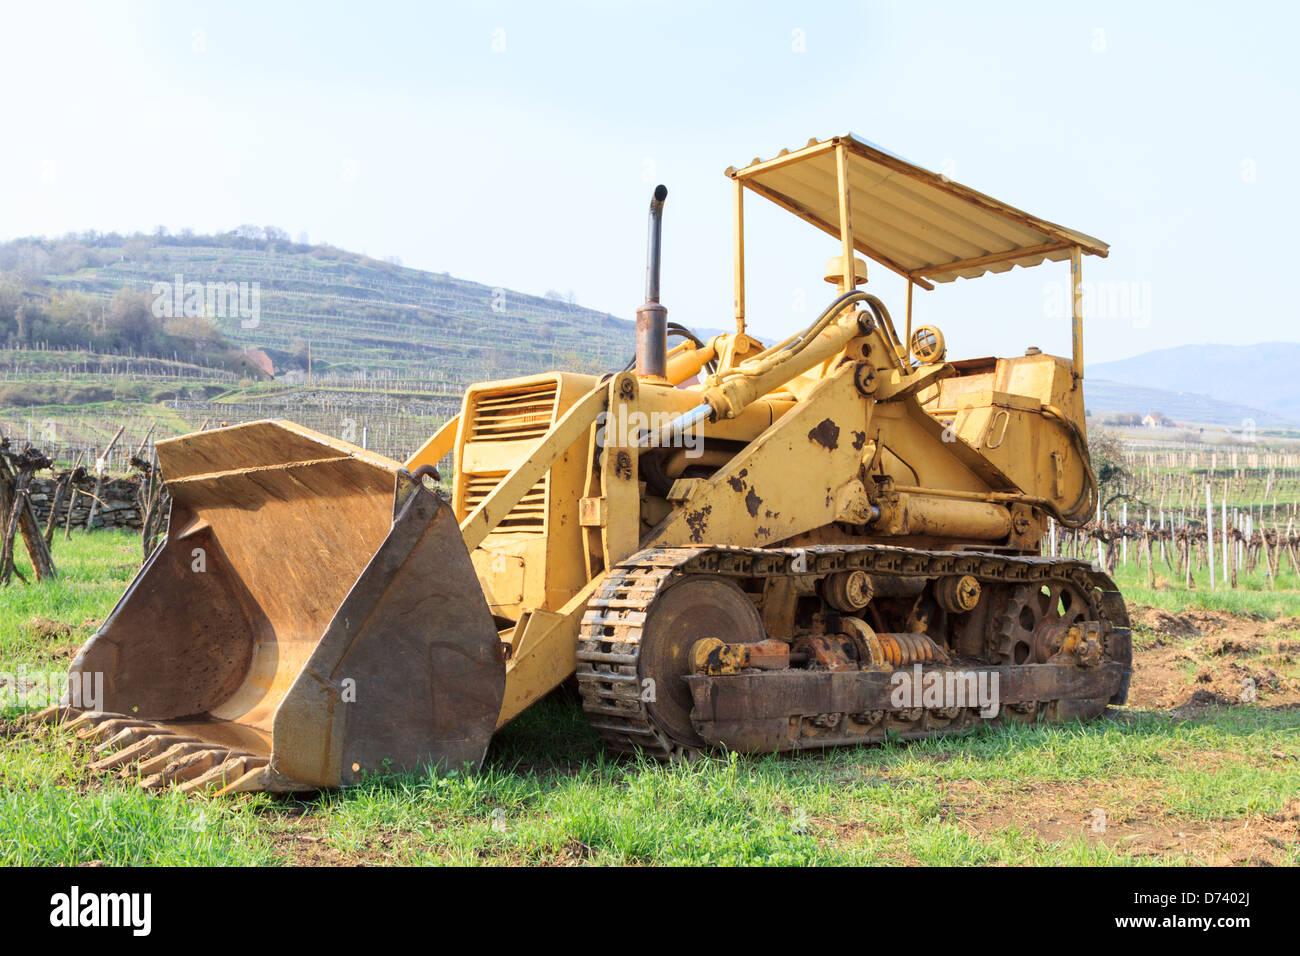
(520,413)
(527,516)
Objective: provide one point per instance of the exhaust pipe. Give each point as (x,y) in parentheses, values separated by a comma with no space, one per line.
(652,318)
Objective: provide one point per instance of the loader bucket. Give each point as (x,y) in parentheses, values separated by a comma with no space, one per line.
(312,616)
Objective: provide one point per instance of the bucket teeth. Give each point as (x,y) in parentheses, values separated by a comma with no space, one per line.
(257,778)
(222,775)
(171,752)
(186,768)
(55,714)
(159,757)
(126,736)
(87,720)
(148,745)
(107,729)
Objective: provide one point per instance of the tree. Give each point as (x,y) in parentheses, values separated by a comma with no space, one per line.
(11,298)
(1107,454)
(193,334)
(136,249)
(131,318)
(72,318)
(298,352)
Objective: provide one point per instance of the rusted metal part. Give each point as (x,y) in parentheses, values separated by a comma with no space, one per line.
(825,433)
(1082,643)
(847,590)
(611,669)
(901,649)
(766,711)
(415,642)
(713,656)
(154,755)
(1034,621)
(958,593)
(425,471)
(652,318)
(828,652)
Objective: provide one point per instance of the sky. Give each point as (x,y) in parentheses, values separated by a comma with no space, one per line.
(517,144)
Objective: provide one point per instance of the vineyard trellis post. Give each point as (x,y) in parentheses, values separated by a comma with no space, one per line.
(1209,532)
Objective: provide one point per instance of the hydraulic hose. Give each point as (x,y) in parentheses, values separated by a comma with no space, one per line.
(1085,505)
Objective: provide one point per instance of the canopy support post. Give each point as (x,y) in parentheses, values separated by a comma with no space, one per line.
(1076,311)
(846,218)
(907,342)
(739,295)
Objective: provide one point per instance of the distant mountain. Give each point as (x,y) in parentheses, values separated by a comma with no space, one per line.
(1108,398)
(1262,377)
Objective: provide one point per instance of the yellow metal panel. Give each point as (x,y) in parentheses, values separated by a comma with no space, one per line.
(437,447)
(619,479)
(789,480)
(909,219)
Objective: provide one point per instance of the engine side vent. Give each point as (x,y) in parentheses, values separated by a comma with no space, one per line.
(520,413)
(529,516)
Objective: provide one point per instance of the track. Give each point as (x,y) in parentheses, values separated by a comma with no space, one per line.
(619,699)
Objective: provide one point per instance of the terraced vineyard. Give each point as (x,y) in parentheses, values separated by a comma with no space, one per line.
(361,314)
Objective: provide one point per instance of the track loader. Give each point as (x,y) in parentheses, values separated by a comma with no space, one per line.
(824,541)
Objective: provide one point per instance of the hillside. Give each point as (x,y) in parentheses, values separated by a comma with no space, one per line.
(1260,377)
(358,315)
(1107,398)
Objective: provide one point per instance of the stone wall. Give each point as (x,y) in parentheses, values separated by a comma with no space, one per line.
(120,508)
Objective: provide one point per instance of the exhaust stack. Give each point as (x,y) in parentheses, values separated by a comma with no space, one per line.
(652,318)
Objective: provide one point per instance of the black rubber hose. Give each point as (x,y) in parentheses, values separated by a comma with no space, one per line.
(680,331)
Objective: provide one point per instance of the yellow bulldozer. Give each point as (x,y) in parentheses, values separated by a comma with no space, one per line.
(829,540)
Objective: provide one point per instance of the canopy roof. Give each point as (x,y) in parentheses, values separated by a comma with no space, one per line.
(919,224)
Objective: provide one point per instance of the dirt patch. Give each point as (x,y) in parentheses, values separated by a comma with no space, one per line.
(1191,623)
(572,853)
(61,639)
(303,840)
(1202,699)
(1207,659)
(1125,814)
(47,629)
(304,844)
(302,837)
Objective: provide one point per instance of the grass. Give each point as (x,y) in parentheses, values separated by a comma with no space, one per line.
(548,794)
(1251,598)
(38,623)
(53,814)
